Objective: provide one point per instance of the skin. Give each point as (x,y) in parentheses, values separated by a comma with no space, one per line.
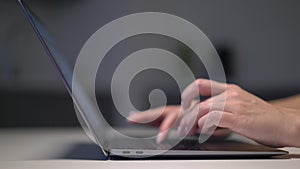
(275,123)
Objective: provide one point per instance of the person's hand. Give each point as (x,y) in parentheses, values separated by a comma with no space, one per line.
(242,113)
(167,117)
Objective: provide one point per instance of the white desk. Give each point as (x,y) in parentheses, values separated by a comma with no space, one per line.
(42,148)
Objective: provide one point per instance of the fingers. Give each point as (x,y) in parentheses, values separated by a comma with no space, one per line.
(213,103)
(164,116)
(149,116)
(202,87)
(209,122)
(188,121)
(165,126)
(218,118)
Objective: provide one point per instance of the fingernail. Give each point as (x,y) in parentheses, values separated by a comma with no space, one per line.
(129,118)
(205,134)
(202,138)
(160,137)
(130,115)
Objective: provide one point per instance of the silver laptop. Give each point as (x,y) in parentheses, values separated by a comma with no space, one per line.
(114,146)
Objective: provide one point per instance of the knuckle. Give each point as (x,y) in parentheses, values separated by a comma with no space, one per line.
(234,91)
(233,94)
(233,87)
(205,105)
(199,82)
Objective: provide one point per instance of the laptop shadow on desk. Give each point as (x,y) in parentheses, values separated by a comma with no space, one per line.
(84,151)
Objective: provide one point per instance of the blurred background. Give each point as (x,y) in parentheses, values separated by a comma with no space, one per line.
(257,40)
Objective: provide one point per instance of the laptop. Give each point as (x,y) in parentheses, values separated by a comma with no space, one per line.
(115,147)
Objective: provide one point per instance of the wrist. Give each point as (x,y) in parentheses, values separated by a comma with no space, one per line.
(290,135)
(295,131)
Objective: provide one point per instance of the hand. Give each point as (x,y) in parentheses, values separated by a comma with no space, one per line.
(242,113)
(167,117)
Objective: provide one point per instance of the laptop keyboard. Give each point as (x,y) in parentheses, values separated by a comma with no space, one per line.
(189,145)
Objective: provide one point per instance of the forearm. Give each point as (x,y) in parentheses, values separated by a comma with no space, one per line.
(292,102)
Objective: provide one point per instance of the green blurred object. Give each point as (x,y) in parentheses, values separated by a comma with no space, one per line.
(186,55)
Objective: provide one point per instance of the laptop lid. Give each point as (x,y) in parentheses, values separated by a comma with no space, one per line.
(90,121)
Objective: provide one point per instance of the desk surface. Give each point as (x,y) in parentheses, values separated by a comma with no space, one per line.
(47,147)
